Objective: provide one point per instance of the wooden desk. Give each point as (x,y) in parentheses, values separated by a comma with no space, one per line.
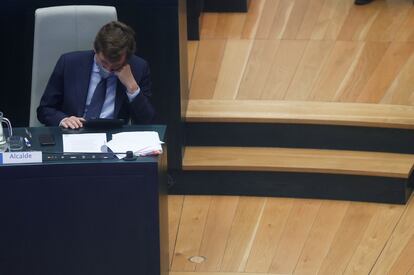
(84,217)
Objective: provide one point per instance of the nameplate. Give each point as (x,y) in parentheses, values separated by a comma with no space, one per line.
(20,157)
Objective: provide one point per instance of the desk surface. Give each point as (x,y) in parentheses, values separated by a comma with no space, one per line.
(58,147)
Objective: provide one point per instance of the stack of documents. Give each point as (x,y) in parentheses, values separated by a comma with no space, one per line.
(84,143)
(141,143)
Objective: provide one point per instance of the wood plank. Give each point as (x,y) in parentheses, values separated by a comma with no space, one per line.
(359,21)
(234,63)
(374,239)
(208,25)
(266,19)
(334,71)
(220,217)
(301,112)
(311,64)
(209,59)
(330,19)
(401,89)
(192,48)
(347,237)
(257,69)
(297,160)
(175,206)
(295,233)
(268,235)
(366,64)
(337,20)
(190,233)
(405,262)
(281,19)
(390,66)
(296,17)
(229,25)
(398,241)
(283,69)
(252,19)
(242,232)
(389,20)
(320,238)
(406,32)
(310,19)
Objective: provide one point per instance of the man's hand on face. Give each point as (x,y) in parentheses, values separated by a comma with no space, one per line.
(126,77)
(72,122)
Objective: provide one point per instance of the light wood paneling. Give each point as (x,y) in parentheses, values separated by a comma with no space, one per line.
(347,238)
(301,112)
(296,18)
(193,220)
(334,71)
(406,32)
(209,25)
(310,19)
(359,21)
(192,47)
(405,262)
(252,18)
(295,233)
(389,21)
(229,25)
(281,19)
(220,217)
(268,235)
(257,69)
(366,64)
(374,239)
(266,18)
(307,73)
(297,160)
(207,67)
(283,69)
(401,90)
(234,62)
(393,60)
(242,233)
(401,236)
(320,238)
(175,206)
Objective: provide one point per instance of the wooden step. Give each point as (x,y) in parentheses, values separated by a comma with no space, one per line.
(301,112)
(298,160)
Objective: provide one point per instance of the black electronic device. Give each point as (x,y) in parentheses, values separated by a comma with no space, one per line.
(103,123)
(46,140)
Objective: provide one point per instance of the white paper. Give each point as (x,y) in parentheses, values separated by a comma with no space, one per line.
(84,143)
(141,143)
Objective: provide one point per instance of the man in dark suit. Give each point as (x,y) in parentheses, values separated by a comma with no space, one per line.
(109,82)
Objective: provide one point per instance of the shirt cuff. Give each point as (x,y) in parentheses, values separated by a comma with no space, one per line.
(131,96)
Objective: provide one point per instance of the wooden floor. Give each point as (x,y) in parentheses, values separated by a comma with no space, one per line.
(298,50)
(289,236)
(312,50)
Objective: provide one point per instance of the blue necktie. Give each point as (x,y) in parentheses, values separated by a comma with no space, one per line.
(97,101)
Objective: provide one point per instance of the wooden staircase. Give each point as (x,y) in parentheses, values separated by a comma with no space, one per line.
(349,151)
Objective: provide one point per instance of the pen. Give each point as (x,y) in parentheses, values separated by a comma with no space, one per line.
(27,142)
(29,135)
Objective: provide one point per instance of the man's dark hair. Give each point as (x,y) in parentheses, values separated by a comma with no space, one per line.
(114,39)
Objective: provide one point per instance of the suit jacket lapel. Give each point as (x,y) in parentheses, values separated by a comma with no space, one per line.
(83,78)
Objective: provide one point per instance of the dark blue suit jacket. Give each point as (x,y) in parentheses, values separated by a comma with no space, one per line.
(67,89)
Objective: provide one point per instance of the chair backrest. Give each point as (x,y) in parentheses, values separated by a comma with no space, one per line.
(59,30)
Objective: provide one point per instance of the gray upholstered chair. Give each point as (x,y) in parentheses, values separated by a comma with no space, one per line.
(58,30)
